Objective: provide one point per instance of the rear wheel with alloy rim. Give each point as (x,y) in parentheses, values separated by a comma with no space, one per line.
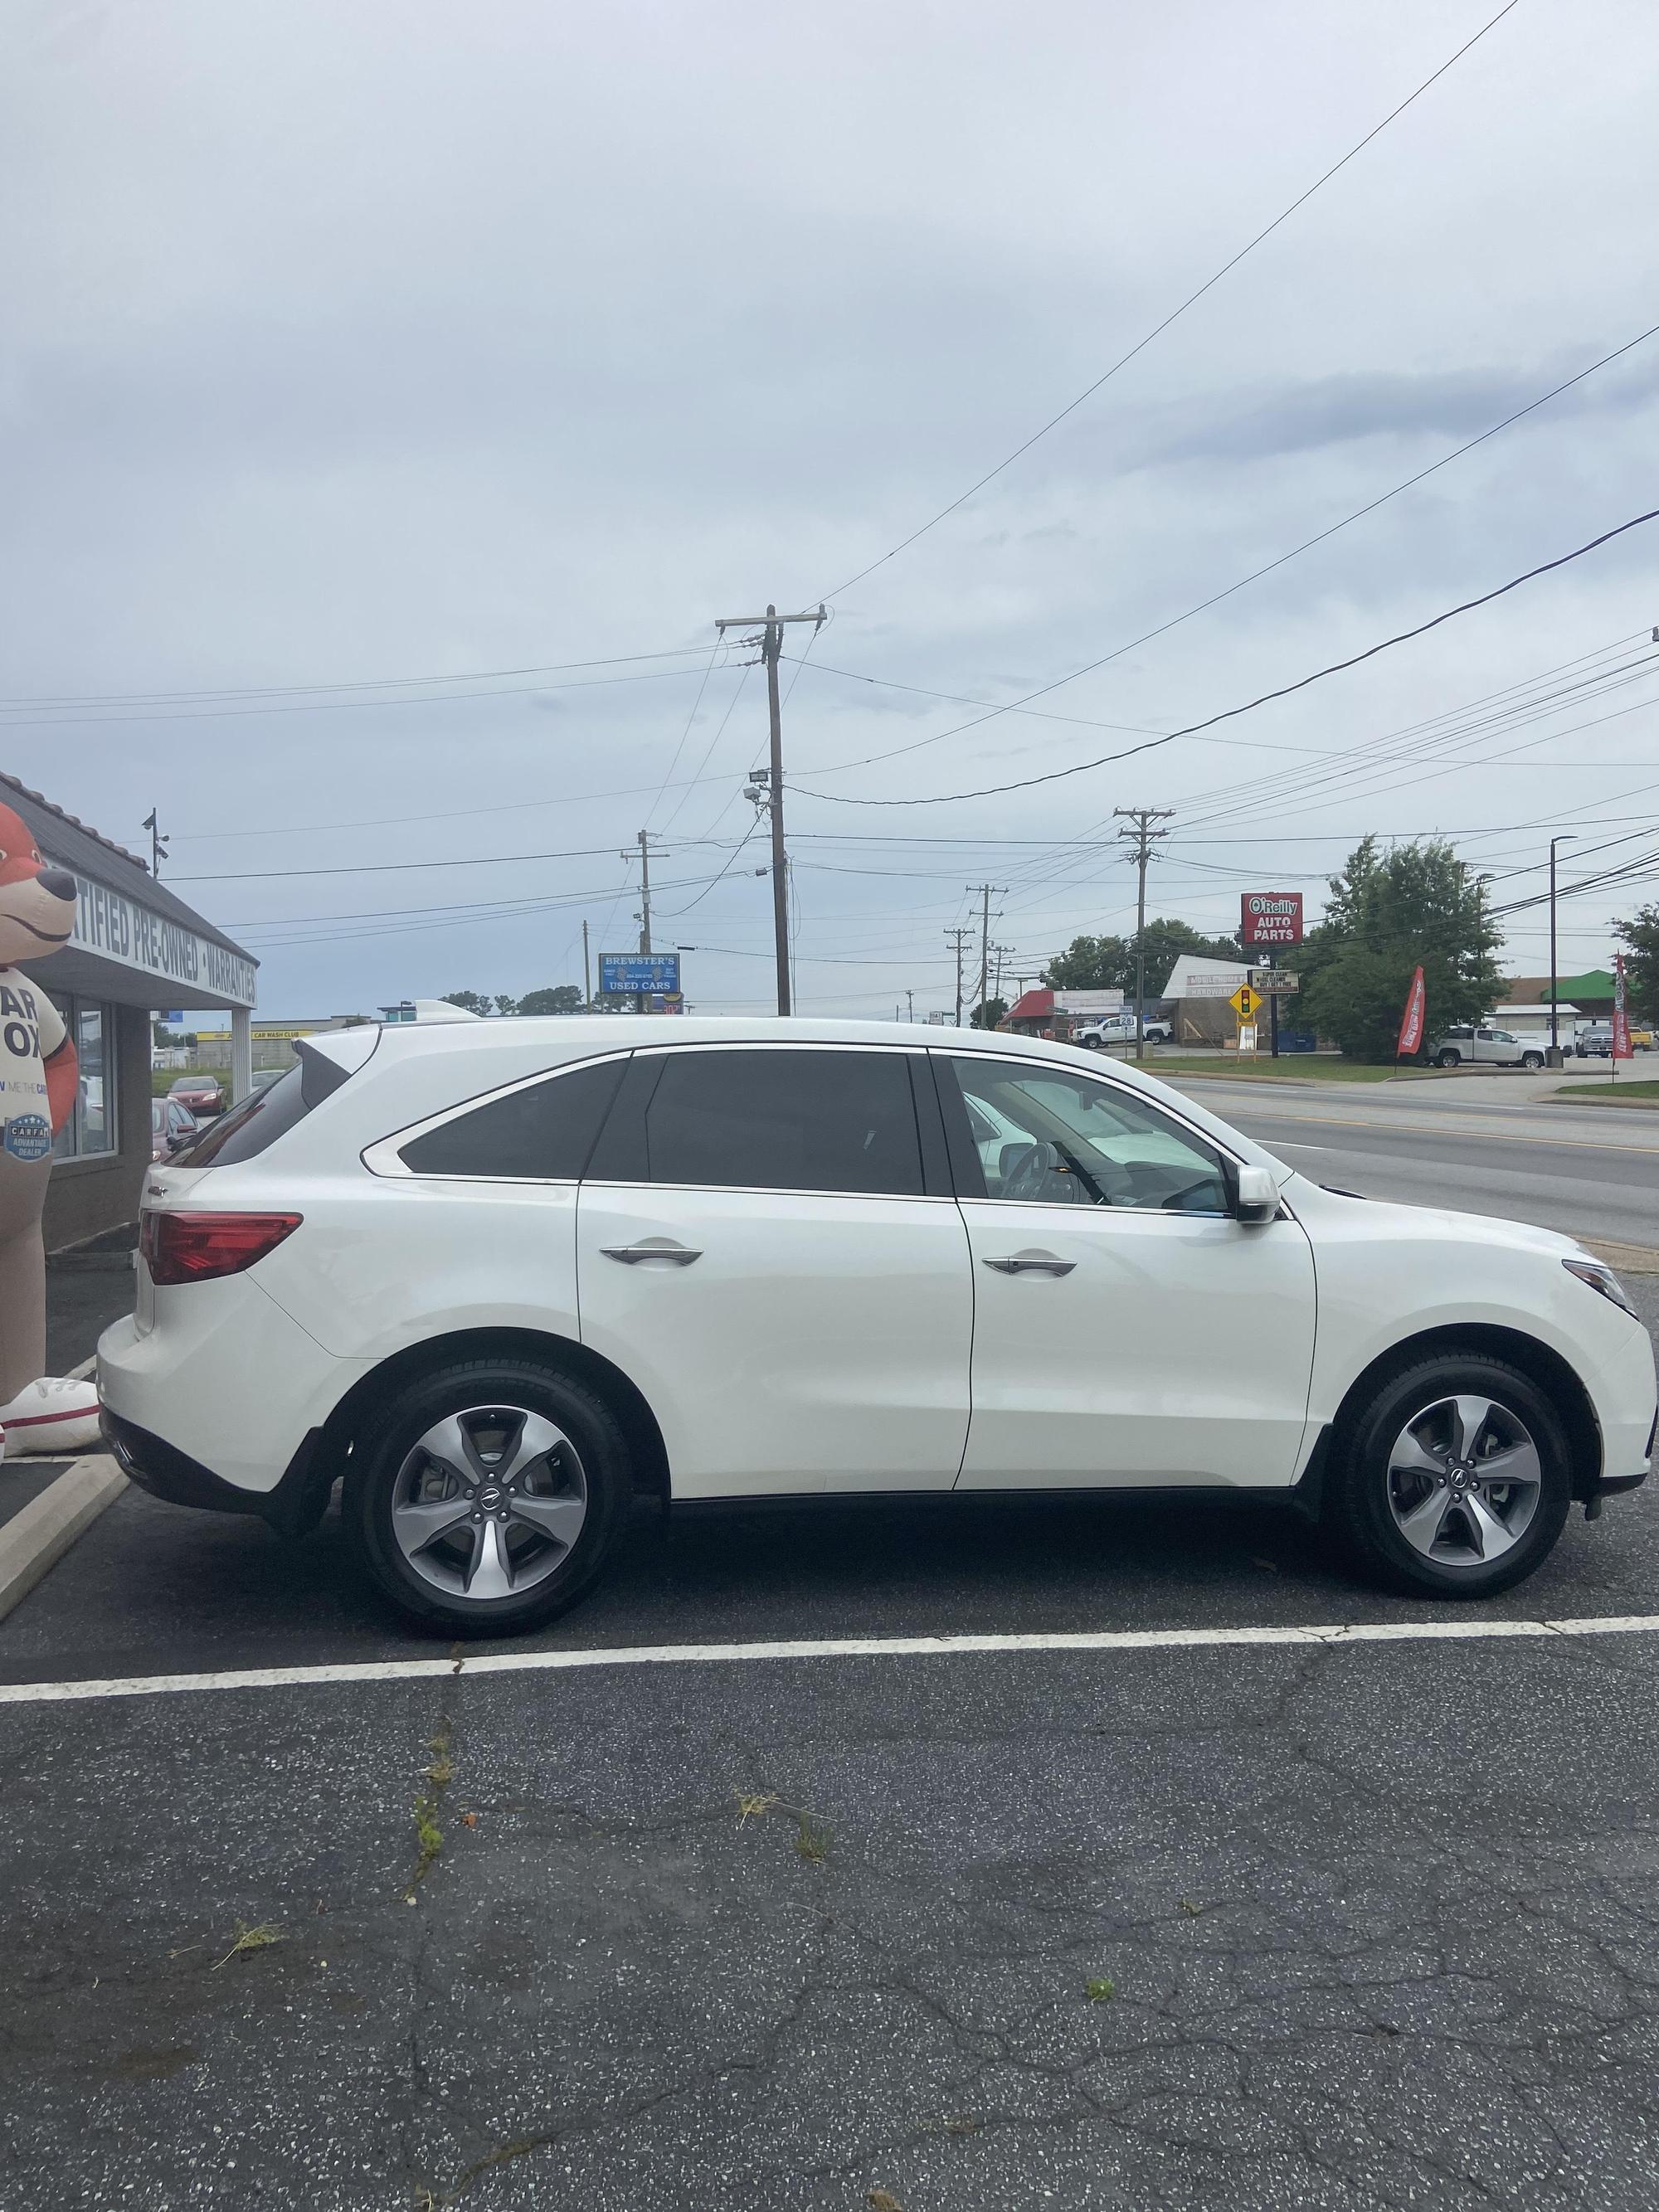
(489,1499)
(1453,1479)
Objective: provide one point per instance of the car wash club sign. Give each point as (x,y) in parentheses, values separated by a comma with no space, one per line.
(117,928)
(1270,918)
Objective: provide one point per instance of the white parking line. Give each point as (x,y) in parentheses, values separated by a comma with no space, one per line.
(1459,1629)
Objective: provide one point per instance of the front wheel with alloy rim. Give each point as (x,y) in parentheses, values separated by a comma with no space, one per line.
(1452,1479)
(489,1497)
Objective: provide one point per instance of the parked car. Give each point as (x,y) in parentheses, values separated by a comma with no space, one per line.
(200,1094)
(1595,1039)
(1120,1029)
(503,1276)
(172,1125)
(1485,1047)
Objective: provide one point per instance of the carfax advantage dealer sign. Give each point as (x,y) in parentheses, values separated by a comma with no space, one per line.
(1270,918)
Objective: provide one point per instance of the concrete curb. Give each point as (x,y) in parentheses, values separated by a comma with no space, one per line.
(33,1541)
(1629,1259)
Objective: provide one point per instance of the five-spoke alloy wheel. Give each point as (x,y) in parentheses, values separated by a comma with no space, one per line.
(1464,1479)
(489,1497)
(1452,1478)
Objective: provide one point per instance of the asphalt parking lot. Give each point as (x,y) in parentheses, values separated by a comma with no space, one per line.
(1201,1925)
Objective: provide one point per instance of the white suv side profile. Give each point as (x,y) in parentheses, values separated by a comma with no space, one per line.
(500,1277)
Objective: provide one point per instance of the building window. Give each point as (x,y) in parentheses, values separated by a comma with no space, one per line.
(90,1130)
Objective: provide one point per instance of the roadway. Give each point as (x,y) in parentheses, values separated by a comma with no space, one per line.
(1589,1172)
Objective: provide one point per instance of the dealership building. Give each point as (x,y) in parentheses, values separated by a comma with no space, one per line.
(136,950)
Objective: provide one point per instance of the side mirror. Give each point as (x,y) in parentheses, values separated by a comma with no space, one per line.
(1255,1196)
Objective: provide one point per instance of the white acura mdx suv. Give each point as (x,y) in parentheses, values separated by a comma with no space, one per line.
(501,1276)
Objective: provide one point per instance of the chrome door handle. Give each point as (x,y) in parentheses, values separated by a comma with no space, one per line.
(652,1248)
(1030,1263)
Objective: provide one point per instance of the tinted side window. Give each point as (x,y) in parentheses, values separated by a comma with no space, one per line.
(778,1120)
(1042,1137)
(542,1133)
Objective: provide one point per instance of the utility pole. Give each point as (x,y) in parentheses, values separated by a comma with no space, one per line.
(955,937)
(587,975)
(1145,837)
(771,645)
(909,1005)
(644,841)
(158,843)
(985,892)
(1566,837)
(644,857)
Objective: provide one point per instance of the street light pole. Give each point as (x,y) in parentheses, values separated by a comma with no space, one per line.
(1566,837)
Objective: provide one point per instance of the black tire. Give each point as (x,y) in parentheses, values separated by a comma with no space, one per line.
(1356,1508)
(1533,1060)
(1448,1058)
(1090,1045)
(603,1469)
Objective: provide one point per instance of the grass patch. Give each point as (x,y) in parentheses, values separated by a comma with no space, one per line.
(259,1937)
(1646,1093)
(813,1839)
(1101,1990)
(161,1080)
(428,1803)
(1295,1067)
(813,1836)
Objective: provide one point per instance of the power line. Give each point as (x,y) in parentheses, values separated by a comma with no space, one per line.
(1228,713)
(343,684)
(1266,569)
(1176,313)
(336,705)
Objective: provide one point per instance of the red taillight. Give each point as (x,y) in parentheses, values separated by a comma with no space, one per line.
(194,1247)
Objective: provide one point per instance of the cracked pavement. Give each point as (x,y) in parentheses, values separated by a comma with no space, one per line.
(1381,1920)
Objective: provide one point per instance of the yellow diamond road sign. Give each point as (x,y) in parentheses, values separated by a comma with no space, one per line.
(1244,1002)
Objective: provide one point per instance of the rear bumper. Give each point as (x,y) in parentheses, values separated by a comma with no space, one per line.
(294,1504)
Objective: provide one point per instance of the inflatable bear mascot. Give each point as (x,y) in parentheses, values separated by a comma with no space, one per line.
(38,1079)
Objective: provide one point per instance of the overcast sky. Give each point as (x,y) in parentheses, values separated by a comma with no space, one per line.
(409,341)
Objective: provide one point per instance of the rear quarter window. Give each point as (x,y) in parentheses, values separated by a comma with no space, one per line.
(543,1131)
(255,1122)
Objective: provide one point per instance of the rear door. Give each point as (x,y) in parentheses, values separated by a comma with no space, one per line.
(762,1249)
(1128,1329)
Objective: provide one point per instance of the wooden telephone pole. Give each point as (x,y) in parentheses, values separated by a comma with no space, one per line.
(771,645)
(1144,837)
(985,893)
(955,937)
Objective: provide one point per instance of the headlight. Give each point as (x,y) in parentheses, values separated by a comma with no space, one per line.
(1600,1279)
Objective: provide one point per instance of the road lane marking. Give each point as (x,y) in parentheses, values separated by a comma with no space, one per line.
(1461,1136)
(1459,1629)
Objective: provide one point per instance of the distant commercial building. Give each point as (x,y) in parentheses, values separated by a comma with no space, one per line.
(136,949)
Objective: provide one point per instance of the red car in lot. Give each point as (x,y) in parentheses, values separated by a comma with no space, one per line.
(199,1095)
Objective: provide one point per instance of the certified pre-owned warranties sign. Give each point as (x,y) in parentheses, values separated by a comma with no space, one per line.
(108,922)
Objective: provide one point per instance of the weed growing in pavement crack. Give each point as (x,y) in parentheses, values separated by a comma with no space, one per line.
(1101,1990)
(813,1836)
(429,1802)
(259,1937)
(812,1839)
(881,2200)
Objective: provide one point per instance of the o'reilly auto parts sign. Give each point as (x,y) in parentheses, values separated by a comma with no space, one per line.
(1270,918)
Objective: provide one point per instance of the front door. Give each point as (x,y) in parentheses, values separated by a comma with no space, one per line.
(759,1251)
(1127,1329)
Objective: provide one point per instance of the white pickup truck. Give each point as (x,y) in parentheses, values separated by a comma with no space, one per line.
(1484,1047)
(1120,1029)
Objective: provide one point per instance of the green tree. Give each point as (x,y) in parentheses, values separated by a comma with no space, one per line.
(1108,964)
(470,1000)
(562,999)
(988,1016)
(505,1005)
(1640,936)
(1415,905)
